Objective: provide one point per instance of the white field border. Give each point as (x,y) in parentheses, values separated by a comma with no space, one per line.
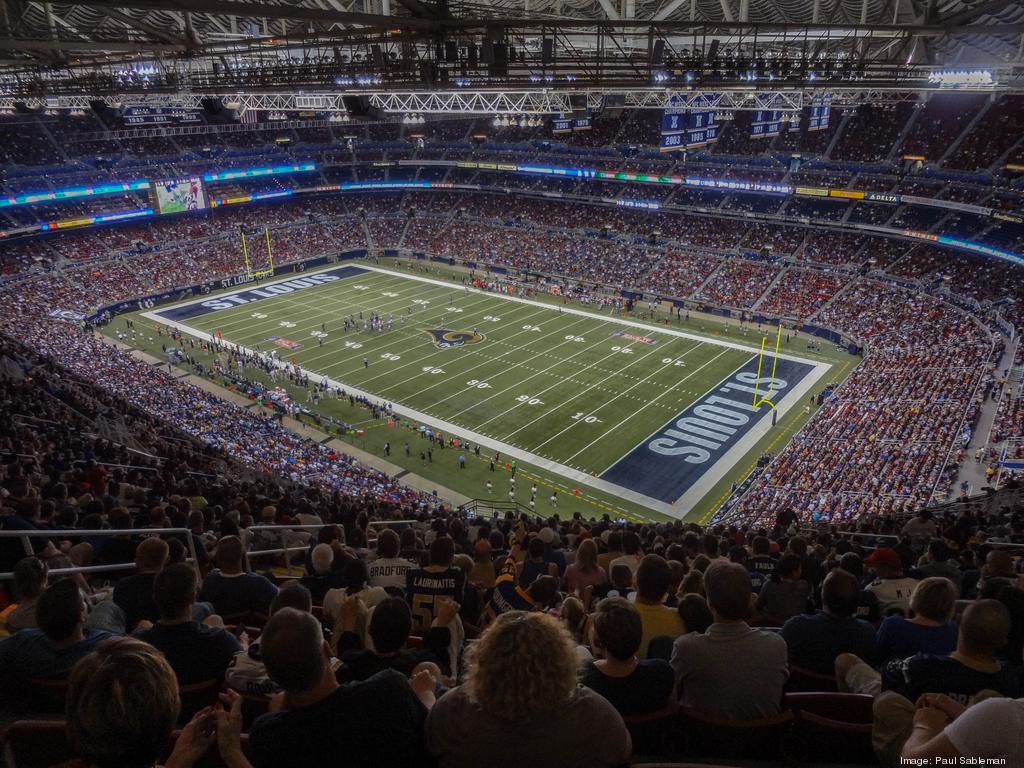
(676,510)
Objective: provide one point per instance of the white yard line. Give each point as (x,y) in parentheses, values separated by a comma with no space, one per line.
(645,405)
(509,450)
(503,372)
(662,329)
(547,413)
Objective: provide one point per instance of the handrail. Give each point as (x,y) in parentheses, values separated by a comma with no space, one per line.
(88,533)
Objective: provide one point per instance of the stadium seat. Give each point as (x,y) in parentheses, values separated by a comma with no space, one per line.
(832,727)
(651,732)
(36,744)
(660,647)
(803,679)
(45,696)
(717,737)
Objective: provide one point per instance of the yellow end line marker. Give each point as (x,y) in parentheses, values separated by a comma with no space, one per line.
(760,361)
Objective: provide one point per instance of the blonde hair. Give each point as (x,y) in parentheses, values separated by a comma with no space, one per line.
(586,555)
(934,598)
(524,665)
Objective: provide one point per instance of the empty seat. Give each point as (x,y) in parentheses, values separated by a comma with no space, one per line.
(832,727)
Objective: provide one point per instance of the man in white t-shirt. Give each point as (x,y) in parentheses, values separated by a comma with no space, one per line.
(388,570)
(990,729)
(892,588)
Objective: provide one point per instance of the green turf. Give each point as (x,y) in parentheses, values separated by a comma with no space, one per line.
(557,385)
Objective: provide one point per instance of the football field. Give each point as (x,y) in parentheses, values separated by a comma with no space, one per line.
(653,414)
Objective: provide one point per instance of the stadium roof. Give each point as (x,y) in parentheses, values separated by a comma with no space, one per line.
(196,44)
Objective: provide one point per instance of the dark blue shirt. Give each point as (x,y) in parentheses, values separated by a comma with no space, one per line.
(815,640)
(195,651)
(899,638)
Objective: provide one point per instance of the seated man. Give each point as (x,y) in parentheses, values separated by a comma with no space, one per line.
(731,670)
(971,668)
(247,672)
(389,629)
(388,570)
(658,620)
(377,722)
(507,595)
(52,650)
(425,586)
(814,641)
(196,652)
(230,589)
(891,587)
(944,728)
(633,686)
(134,594)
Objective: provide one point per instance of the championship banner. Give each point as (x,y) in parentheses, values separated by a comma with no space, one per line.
(821,112)
(767,123)
(582,124)
(673,129)
(701,129)
(561,125)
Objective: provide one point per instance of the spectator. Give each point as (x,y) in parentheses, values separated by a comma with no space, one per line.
(29,582)
(521,705)
(586,570)
(867,603)
(938,561)
(931,630)
(971,668)
(731,670)
(388,569)
(814,641)
(632,685)
(552,550)
(613,542)
(231,590)
(353,579)
(196,651)
(375,722)
(785,594)
(51,651)
(891,587)
(323,577)
(134,594)
(657,619)
(390,626)
(535,566)
(921,529)
(631,556)
(122,706)
(508,595)
(425,586)
(694,613)
(483,573)
(247,673)
(946,730)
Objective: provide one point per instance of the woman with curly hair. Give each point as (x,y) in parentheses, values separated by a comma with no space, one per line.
(521,704)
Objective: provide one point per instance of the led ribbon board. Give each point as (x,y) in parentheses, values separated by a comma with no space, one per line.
(255,173)
(70,193)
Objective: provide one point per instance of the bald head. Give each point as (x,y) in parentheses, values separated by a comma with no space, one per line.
(999,562)
(482,549)
(984,628)
(322,559)
(293,650)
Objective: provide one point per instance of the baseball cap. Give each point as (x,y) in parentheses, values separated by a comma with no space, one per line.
(884,556)
(547,535)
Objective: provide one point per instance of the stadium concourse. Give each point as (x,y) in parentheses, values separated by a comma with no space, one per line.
(189,576)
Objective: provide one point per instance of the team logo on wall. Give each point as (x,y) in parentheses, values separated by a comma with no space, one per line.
(445,338)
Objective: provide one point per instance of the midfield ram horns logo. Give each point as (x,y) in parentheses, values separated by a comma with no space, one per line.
(445,338)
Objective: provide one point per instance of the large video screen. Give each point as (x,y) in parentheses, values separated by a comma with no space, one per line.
(179,195)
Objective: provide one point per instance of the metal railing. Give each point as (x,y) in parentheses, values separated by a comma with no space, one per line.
(27,536)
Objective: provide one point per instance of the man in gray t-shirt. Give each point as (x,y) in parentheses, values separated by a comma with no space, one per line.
(732,670)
